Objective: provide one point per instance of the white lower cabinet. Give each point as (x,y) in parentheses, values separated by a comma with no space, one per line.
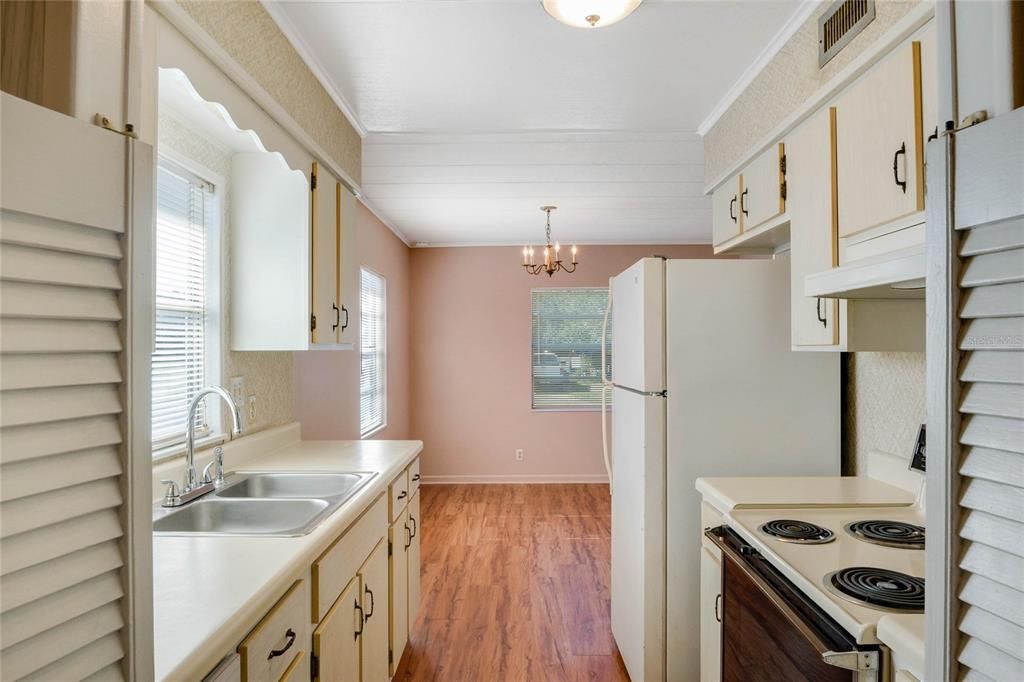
(710,613)
(375,601)
(400,537)
(347,619)
(336,644)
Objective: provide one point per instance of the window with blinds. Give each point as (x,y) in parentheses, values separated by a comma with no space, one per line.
(373,399)
(566,347)
(185,349)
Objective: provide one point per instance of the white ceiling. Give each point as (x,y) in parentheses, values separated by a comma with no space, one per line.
(478,112)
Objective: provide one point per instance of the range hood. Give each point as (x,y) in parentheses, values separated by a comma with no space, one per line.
(897,274)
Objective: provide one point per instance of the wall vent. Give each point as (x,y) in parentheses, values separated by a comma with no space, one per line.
(840,24)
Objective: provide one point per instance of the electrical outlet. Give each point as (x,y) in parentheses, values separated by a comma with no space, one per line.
(238,392)
(252,408)
(519,455)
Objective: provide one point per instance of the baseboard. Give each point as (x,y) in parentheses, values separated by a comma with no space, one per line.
(514,478)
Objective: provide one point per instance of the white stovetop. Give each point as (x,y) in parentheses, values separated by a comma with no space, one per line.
(208,592)
(746,502)
(808,565)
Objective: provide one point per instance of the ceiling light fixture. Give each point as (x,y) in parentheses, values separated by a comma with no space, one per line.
(590,13)
(552,263)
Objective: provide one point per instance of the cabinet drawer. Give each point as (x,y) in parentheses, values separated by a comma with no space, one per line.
(336,566)
(276,640)
(399,495)
(414,476)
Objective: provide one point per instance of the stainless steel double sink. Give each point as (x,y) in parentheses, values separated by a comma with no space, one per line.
(267,503)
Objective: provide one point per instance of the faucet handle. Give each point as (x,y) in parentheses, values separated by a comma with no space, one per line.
(172,494)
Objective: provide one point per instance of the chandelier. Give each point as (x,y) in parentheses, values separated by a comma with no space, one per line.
(552,261)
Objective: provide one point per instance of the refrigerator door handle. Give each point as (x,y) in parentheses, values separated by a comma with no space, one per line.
(605,385)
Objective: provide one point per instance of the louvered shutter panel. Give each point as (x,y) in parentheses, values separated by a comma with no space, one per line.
(990,218)
(61,439)
(372,352)
(566,347)
(184,204)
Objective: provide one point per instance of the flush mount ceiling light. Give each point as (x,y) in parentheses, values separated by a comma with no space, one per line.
(552,261)
(590,13)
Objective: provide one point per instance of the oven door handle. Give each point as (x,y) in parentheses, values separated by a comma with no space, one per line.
(860,661)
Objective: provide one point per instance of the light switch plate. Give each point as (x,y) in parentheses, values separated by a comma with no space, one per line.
(238,392)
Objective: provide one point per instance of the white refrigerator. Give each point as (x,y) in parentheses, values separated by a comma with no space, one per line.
(704,383)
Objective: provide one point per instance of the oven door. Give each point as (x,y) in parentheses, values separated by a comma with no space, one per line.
(772,631)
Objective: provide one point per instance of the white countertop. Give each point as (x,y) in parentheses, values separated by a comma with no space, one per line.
(728,493)
(208,592)
(904,634)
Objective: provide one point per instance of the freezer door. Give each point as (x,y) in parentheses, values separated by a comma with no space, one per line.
(638,326)
(638,532)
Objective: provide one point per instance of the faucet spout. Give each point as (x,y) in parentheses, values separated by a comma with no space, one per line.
(191,476)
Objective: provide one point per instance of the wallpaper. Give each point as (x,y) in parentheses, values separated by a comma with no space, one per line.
(250,36)
(268,376)
(885,405)
(788,80)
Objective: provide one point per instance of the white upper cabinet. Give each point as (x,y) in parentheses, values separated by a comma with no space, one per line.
(288,237)
(764,188)
(811,229)
(879,137)
(725,211)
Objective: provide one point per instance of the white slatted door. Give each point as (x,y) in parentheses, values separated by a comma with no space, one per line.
(63,537)
(989,214)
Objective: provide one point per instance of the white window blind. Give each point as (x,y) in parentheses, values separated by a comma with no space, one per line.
(372,352)
(566,347)
(185,209)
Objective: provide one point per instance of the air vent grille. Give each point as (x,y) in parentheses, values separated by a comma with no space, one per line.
(839,24)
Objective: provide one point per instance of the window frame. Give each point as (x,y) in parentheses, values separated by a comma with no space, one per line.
(558,408)
(382,353)
(213,329)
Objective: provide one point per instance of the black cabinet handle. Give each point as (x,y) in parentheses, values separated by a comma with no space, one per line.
(369,593)
(362,620)
(290,634)
(337,316)
(415,527)
(743,204)
(408,543)
(718,600)
(344,326)
(416,477)
(402,495)
(902,184)
(822,318)
(732,208)
(934,135)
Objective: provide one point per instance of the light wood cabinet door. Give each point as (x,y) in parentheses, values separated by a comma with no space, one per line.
(762,196)
(324,256)
(813,239)
(725,211)
(414,559)
(374,577)
(296,671)
(398,599)
(710,614)
(336,641)
(347,266)
(878,138)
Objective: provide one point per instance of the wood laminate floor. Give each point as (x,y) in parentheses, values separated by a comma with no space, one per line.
(515,584)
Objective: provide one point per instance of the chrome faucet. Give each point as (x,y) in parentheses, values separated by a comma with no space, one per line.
(192,487)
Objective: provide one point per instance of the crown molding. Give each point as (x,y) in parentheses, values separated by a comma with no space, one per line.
(284,24)
(519,245)
(792,25)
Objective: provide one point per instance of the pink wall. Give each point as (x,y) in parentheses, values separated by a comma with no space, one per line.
(470,354)
(327,382)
